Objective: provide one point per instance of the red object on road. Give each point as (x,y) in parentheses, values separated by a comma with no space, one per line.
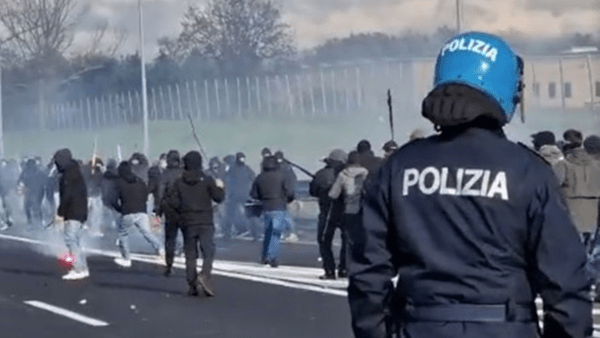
(66,260)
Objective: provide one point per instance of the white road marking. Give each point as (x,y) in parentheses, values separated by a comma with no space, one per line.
(307,284)
(66,313)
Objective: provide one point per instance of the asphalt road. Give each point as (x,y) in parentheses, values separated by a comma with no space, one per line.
(251,300)
(140,302)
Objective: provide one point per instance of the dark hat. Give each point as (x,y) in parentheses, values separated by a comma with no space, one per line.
(229,159)
(363,146)
(592,145)
(173,158)
(573,136)
(240,155)
(390,146)
(265,152)
(543,138)
(192,160)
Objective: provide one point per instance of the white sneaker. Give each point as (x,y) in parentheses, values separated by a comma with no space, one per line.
(161,257)
(4,227)
(293,238)
(74,275)
(126,263)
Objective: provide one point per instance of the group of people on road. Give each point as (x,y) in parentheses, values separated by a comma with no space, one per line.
(471,226)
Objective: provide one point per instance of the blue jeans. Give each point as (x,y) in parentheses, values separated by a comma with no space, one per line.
(72,240)
(275,223)
(140,221)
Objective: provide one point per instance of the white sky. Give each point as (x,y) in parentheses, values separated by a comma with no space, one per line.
(314,21)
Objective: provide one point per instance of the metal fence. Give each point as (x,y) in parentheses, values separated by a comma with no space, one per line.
(321,92)
(310,94)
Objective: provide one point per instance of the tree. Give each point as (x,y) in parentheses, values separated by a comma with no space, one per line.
(43,28)
(238,34)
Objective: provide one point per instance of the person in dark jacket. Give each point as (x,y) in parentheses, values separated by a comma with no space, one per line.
(191,197)
(50,189)
(130,202)
(109,193)
(367,158)
(330,213)
(388,148)
(272,188)
(154,174)
(292,233)
(473,225)
(542,138)
(94,170)
(6,186)
(172,227)
(239,180)
(33,181)
(216,170)
(139,166)
(72,210)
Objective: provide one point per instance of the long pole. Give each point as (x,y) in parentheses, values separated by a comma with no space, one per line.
(1,118)
(591,81)
(144,94)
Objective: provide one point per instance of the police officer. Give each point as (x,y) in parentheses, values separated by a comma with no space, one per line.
(474,225)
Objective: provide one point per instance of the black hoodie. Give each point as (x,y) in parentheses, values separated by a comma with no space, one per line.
(167,179)
(132,192)
(272,186)
(109,183)
(71,188)
(192,194)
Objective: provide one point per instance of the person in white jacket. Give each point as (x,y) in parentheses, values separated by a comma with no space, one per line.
(349,184)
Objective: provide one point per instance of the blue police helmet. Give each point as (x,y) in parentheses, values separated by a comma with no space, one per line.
(484,62)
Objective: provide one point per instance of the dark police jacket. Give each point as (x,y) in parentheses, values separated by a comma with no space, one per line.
(468,217)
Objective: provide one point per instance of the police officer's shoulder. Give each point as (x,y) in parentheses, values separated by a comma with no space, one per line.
(535,153)
(413,143)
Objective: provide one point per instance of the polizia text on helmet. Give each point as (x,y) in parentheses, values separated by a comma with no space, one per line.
(474,45)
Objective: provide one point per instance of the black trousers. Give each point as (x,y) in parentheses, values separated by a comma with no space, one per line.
(194,237)
(171,230)
(33,208)
(328,222)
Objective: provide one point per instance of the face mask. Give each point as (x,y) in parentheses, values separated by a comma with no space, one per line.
(162,164)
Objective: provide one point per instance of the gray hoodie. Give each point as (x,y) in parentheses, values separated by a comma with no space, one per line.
(349,182)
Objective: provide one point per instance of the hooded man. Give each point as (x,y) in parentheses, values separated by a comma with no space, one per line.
(130,202)
(6,186)
(110,178)
(33,181)
(573,140)
(140,166)
(271,187)
(72,210)
(330,214)
(172,227)
(239,180)
(473,226)
(289,173)
(191,197)
(366,157)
